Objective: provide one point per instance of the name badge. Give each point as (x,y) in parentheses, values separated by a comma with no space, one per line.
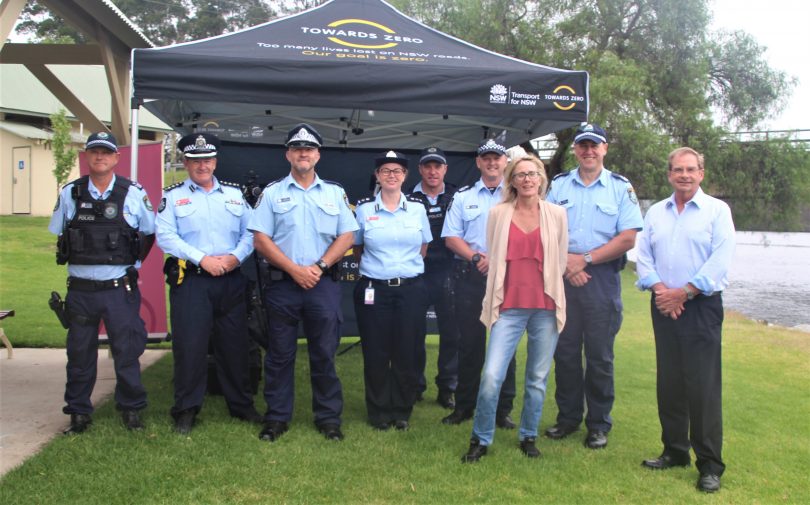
(435,209)
(283,200)
(474,206)
(182,201)
(369,296)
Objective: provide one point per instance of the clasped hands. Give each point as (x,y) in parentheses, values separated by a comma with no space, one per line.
(669,301)
(219,265)
(575,270)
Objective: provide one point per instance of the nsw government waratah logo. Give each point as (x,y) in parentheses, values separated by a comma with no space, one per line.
(498,94)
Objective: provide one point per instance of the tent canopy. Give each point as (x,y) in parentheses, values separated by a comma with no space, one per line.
(364,74)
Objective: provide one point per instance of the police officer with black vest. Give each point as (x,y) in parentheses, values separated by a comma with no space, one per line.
(202,224)
(106,227)
(436,195)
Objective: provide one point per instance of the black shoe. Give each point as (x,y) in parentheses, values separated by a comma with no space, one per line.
(708,482)
(664,461)
(401,425)
(331,431)
(505,422)
(272,430)
(251,416)
(596,439)
(559,431)
(185,421)
(458,417)
(132,420)
(445,399)
(528,448)
(475,452)
(381,426)
(78,424)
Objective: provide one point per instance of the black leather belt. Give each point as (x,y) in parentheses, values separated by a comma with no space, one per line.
(395,282)
(90,285)
(198,270)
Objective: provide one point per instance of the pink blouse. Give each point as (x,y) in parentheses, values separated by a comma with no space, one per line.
(523,283)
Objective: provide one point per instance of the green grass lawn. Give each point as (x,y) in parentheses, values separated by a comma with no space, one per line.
(766,410)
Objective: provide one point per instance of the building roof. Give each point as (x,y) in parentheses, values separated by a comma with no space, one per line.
(22,93)
(32,132)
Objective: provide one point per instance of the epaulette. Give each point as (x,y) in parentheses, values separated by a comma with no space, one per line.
(414,198)
(231,184)
(464,188)
(333,182)
(364,200)
(561,174)
(171,187)
(274,182)
(136,184)
(620,177)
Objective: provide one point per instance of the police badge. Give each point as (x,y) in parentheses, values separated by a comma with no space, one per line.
(110,210)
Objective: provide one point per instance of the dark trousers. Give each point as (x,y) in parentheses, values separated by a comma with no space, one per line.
(119,309)
(593,318)
(469,287)
(437,279)
(389,333)
(319,309)
(689,385)
(200,305)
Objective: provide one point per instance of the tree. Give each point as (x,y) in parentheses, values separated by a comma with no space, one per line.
(64,156)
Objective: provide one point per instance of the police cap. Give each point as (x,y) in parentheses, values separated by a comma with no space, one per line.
(303,135)
(199,145)
(391,157)
(102,139)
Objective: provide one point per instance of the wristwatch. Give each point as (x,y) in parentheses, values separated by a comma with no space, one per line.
(588,258)
(322,265)
(690,295)
(476,258)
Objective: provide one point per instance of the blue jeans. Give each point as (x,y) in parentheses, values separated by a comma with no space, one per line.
(503,340)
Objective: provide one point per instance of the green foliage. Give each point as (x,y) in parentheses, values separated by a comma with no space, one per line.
(64,156)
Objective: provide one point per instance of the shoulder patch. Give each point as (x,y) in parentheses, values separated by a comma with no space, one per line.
(561,174)
(335,183)
(162,205)
(620,177)
(172,186)
(464,188)
(364,200)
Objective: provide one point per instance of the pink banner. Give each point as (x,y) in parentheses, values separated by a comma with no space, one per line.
(151,284)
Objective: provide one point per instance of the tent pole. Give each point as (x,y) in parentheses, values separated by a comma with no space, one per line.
(133,160)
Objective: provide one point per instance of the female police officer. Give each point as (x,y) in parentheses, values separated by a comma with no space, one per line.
(390,296)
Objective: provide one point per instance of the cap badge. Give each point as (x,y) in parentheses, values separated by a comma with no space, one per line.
(390,154)
(200,142)
(102,135)
(302,135)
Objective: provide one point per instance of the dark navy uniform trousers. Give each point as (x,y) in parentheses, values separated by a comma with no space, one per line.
(210,308)
(688,352)
(593,318)
(469,287)
(119,309)
(389,332)
(438,277)
(319,309)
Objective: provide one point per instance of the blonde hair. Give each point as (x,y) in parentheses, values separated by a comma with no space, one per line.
(510,193)
(685,150)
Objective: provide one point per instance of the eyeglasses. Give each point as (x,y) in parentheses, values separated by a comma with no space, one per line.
(389,171)
(687,170)
(523,175)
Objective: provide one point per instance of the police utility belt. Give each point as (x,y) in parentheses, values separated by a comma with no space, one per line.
(176,271)
(129,281)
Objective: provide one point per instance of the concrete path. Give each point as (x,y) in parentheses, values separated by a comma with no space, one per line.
(32,385)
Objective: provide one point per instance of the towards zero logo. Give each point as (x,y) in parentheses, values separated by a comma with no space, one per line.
(342,32)
(342,22)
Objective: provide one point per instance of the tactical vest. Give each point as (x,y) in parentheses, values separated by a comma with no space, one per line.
(98,234)
(437,251)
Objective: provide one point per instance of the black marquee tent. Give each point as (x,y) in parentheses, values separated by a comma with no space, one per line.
(365,75)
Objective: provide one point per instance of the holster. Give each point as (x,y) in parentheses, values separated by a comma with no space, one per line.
(175,270)
(57,305)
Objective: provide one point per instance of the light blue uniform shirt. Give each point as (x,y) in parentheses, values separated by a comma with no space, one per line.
(431,199)
(467,216)
(193,223)
(303,223)
(695,246)
(598,212)
(137,212)
(392,241)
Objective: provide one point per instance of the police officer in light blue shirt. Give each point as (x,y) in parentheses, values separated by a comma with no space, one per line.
(106,227)
(464,233)
(390,297)
(202,225)
(603,218)
(303,226)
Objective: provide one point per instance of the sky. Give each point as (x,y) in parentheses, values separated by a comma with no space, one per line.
(783,26)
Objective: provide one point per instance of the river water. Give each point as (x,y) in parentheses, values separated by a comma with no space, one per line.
(769,279)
